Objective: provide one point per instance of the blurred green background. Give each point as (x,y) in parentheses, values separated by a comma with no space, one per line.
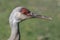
(32,29)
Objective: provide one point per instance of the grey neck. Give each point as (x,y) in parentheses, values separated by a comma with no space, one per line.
(15,33)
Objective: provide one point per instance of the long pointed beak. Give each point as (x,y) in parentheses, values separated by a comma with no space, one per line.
(44,17)
(40,16)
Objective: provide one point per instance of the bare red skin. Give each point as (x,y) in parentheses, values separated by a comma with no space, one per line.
(25,11)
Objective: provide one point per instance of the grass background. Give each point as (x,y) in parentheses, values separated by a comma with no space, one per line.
(33,28)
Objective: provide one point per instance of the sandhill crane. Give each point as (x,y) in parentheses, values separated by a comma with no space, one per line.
(17,15)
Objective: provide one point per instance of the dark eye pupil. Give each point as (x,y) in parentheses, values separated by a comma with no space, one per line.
(28,11)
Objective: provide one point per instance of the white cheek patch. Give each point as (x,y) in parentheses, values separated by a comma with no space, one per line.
(21,16)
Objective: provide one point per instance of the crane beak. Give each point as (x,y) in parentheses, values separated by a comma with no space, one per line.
(32,15)
(40,16)
(43,17)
